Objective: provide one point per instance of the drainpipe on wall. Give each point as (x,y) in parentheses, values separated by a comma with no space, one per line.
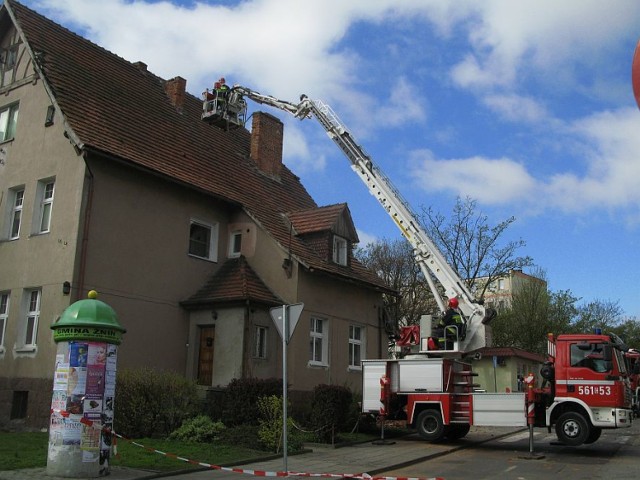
(84,243)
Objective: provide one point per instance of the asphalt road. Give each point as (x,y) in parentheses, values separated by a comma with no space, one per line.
(615,456)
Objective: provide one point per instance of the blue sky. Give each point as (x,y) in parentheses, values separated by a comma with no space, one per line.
(525,106)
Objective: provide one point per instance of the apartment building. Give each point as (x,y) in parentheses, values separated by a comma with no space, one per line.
(109,181)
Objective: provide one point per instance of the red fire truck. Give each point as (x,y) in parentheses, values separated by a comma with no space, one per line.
(586,386)
(585,390)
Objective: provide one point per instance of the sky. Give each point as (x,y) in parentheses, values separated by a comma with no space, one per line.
(526,107)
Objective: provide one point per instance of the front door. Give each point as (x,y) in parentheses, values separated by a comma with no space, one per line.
(205,356)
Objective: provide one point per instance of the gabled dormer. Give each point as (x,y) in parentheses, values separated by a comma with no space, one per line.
(329,230)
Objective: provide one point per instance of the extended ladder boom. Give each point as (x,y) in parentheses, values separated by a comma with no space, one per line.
(431,261)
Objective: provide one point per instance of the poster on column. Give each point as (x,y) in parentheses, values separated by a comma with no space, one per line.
(94,401)
(77,382)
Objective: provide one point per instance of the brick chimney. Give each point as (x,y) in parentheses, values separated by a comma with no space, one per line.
(266,142)
(175,90)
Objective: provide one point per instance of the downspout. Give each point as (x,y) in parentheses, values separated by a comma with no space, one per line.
(84,243)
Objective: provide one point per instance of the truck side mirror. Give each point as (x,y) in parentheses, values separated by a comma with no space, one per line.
(607,353)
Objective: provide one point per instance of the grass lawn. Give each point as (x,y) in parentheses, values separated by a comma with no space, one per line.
(29,450)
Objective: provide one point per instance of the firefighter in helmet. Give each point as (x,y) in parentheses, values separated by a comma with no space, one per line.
(452,326)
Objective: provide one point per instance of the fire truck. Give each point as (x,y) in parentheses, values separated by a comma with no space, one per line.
(586,384)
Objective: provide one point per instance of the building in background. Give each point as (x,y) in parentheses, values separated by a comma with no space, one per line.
(500,292)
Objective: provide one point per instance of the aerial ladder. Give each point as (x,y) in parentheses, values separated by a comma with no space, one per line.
(230,112)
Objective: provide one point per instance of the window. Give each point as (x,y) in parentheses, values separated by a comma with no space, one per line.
(17,200)
(589,356)
(30,329)
(4,316)
(339,250)
(203,240)
(318,341)
(8,119)
(501,284)
(9,62)
(260,350)
(235,244)
(44,199)
(19,404)
(356,342)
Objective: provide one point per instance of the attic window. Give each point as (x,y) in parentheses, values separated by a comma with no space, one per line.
(340,250)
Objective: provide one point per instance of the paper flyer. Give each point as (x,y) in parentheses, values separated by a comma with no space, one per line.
(78,354)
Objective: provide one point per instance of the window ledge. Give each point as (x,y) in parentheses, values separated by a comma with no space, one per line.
(317,365)
(202,258)
(351,368)
(26,349)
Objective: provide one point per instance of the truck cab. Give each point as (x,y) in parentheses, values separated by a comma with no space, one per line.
(589,387)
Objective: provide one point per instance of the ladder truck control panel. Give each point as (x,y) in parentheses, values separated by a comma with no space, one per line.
(226,108)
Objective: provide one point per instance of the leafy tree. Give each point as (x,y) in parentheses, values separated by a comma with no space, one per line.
(603,314)
(394,262)
(529,317)
(472,246)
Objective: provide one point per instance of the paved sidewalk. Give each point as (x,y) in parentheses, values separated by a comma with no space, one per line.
(370,458)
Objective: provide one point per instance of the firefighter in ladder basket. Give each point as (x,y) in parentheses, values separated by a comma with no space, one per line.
(452,326)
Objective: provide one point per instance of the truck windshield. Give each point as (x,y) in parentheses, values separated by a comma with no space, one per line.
(589,356)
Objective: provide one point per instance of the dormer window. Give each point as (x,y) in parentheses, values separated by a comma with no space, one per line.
(340,249)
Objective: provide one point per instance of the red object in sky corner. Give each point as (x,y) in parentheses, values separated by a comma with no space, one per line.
(635,74)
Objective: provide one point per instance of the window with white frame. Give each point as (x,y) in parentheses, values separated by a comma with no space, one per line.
(235,244)
(32,315)
(15,217)
(8,120)
(203,240)
(4,317)
(44,201)
(356,346)
(319,341)
(339,250)
(260,350)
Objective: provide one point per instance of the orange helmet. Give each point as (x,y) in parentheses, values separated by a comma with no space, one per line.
(453,302)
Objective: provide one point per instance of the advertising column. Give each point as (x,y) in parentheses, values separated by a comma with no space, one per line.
(87,336)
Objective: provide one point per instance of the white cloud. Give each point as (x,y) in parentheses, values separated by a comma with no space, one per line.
(510,39)
(517,108)
(611,153)
(490,181)
(366,238)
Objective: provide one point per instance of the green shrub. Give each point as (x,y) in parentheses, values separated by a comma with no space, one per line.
(270,431)
(331,410)
(200,429)
(151,403)
(241,399)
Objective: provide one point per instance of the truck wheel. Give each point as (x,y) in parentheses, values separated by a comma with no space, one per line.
(572,429)
(430,425)
(456,432)
(594,435)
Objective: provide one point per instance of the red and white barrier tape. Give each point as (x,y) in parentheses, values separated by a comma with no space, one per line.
(255,473)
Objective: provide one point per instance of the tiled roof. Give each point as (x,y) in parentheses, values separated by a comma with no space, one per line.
(234,281)
(319,219)
(115,107)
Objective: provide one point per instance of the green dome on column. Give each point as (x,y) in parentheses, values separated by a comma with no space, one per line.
(89,320)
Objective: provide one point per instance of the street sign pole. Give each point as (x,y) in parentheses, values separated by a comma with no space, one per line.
(285,340)
(285,320)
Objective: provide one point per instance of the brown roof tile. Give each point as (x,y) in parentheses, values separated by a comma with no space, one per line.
(115,107)
(234,281)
